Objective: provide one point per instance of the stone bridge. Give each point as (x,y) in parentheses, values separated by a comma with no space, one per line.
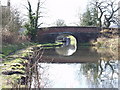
(82,34)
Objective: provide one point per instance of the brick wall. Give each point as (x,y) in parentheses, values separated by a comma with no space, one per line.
(82,34)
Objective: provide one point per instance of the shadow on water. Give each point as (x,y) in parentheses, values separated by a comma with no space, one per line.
(73,66)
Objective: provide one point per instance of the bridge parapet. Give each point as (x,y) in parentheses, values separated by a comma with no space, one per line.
(82,34)
(69,29)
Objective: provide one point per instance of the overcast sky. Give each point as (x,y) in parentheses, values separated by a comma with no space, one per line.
(67,10)
(54,9)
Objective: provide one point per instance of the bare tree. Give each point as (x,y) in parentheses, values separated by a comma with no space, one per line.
(111,13)
(117,21)
(60,22)
(11,19)
(11,23)
(108,10)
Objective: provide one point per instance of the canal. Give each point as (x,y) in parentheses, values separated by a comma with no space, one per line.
(78,67)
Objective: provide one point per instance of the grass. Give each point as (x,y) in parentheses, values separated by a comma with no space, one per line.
(72,39)
(8,49)
(10,62)
(11,48)
(111,43)
(13,63)
(49,45)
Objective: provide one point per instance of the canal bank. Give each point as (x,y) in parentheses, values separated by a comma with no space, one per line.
(13,68)
(15,60)
(109,40)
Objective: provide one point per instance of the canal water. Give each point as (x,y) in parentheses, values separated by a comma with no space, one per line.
(85,68)
(75,66)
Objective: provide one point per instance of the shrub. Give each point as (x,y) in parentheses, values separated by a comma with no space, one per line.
(13,37)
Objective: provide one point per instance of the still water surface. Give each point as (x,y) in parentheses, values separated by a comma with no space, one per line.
(85,68)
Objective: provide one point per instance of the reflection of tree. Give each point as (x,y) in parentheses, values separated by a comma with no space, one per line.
(104,72)
(34,70)
(90,70)
(89,67)
(101,68)
(109,73)
(107,56)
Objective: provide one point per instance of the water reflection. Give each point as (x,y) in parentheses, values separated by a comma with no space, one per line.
(92,71)
(84,67)
(79,76)
(96,79)
(66,50)
(69,45)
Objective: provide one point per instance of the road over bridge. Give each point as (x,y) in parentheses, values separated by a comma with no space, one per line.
(82,34)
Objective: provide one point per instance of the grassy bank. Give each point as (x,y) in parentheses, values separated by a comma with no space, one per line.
(111,43)
(13,67)
(109,39)
(11,48)
(108,44)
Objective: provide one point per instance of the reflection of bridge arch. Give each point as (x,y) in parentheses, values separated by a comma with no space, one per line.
(83,34)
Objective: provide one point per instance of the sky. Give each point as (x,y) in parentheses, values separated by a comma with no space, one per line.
(68,10)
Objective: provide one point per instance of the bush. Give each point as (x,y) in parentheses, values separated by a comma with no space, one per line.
(13,37)
(112,43)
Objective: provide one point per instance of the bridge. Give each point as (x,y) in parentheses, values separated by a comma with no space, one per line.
(82,34)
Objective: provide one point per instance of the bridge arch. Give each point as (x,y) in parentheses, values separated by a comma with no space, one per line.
(82,34)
